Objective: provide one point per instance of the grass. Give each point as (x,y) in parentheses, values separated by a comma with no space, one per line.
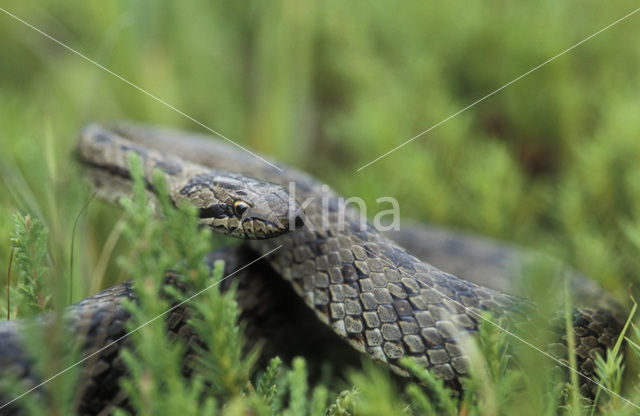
(549,163)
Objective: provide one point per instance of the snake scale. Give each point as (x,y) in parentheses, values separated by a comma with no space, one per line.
(353,284)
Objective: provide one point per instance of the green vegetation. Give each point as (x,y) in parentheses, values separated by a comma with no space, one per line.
(550,162)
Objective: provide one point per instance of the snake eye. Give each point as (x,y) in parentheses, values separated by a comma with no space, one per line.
(240,207)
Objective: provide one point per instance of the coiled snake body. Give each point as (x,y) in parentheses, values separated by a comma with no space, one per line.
(370,291)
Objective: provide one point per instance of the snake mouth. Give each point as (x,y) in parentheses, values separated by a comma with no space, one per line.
(256,228)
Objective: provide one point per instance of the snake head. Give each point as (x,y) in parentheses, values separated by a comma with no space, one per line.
(242,207)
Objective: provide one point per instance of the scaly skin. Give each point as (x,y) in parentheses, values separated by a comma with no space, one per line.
(369,290)
(372,292)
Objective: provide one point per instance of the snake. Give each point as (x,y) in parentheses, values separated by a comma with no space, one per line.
(330,285)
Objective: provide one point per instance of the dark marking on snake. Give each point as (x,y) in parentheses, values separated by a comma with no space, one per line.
(215,211)
(134,149)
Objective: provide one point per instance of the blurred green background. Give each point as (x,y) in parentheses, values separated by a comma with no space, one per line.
(550,162)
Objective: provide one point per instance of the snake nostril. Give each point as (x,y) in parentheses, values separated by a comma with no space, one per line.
(299,222)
